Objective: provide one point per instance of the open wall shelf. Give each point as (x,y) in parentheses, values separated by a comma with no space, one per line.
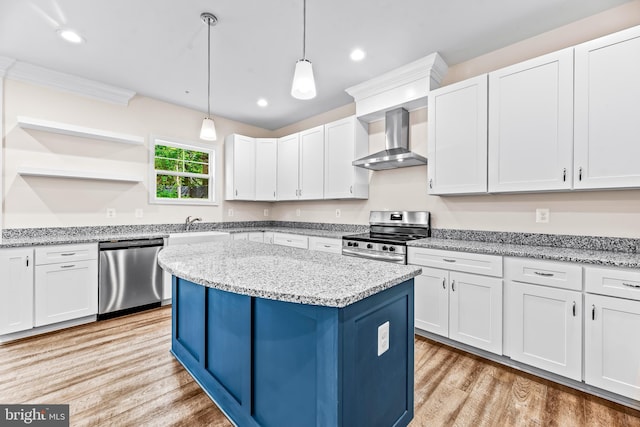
(77,174)
(73,130)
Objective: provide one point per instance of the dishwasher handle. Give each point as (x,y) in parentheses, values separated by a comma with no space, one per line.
(126,244)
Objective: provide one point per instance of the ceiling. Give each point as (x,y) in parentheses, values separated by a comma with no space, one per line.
(158,48)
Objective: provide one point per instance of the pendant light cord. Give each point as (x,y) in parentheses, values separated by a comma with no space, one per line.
(209,68)
(304,29)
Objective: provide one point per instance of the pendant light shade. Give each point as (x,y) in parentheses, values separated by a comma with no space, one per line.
(208,129)
(304,85)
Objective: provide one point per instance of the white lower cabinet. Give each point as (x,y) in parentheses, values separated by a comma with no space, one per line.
(16,290)
(292,240)
(268,237)
(324,244)
(256,236)
(240,236)
(464,307)
(612,343)
(65,290)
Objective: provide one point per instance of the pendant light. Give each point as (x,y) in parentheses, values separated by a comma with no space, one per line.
(304,85)
(208,130)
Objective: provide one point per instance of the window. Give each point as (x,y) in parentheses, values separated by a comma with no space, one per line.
(183,173)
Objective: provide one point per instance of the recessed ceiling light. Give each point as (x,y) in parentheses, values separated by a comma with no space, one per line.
(70,35)
(262,102)
(357,55)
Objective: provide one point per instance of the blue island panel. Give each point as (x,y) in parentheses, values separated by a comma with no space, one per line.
(273,364)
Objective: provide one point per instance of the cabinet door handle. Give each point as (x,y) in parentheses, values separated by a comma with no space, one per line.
(27,261)
(68,254)
(443,284)
(327,246)
(630,285)
(539,273)
(431,183)
(453,285)
(351,189)
(448,260)
(274,194)
(236,192)
(68,266)
(564,175)
(593,312)
(300,192)
(574,309)
(580,173)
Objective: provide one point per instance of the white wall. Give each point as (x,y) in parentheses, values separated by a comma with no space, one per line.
(44,202)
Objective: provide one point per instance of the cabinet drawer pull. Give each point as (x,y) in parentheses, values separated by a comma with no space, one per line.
(327,246)
(443,284)
(630,285)
(593,312)
(453,285)
(448,260)
(539,273)
(68,254)
(68,266)
(564,175)
(574,309)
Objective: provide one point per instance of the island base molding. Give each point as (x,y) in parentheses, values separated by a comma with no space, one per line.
(274,363)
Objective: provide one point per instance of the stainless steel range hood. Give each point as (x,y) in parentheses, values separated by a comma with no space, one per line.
(397,154)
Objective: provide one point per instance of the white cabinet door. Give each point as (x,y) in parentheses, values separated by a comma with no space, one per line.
(266,168)
(268,237)
(458,138)
(65,291)
(475,311)
(16,290)
(240,167)
(311,172)
(531,124)
(607,124)
(612,346)
(545,328)
(344,141)
(432,301)
(256,236)
(288,158)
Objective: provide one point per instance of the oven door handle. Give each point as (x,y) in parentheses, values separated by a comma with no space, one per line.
(375,256)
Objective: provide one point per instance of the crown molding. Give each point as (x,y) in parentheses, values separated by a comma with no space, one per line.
(30,73)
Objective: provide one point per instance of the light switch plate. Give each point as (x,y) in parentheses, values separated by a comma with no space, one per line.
(266,212)
(383,338)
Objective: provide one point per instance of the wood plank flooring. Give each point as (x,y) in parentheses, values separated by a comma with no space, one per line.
(120,373)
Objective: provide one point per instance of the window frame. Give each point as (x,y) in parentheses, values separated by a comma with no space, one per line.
(211,150)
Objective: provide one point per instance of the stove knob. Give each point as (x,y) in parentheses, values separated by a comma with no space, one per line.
(369,246)
(392,249)
(349,243)
(384,248)
(355,244)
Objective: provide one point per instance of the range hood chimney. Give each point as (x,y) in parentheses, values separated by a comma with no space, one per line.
(396,153)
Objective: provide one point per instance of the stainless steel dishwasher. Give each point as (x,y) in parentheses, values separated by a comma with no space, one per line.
(129,278)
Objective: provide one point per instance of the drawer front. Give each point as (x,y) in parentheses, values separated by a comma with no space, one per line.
(488,265)
(66,253)
(617,282)
(256,236)
(293,240)
(547,273)
(324,244)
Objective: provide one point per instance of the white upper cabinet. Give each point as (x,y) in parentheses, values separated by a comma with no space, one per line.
(287,170)
(458,138)
(311,171)
(344,141)
(240,167)
(531,124)
(607,123)
(266,167)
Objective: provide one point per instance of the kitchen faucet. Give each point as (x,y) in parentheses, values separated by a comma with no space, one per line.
(189,221)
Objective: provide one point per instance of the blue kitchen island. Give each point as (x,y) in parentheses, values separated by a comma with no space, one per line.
(281,336)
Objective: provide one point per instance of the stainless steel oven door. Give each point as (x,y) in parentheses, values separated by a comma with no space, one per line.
(377,256)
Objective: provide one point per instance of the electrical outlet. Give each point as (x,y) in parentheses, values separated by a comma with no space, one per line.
(383,338)
(230,212)
(542,215)
(111,213)
(297,212)
(337,213)
(139,213)
(266,212)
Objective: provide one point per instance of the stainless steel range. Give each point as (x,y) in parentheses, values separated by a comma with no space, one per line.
(388,235)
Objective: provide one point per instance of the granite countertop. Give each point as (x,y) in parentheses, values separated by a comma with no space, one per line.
(40,240)
(598,257)
(283,273)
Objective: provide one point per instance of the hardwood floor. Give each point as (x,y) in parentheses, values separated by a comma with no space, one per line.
(119,372)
